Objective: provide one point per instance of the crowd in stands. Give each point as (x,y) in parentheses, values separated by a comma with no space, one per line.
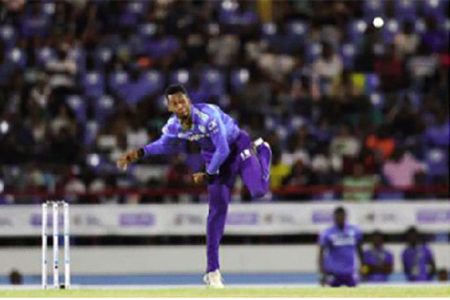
(352,94)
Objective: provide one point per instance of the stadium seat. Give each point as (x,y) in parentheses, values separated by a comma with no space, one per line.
(93,84)
(90,132)
(18,56)
(8,35)
(356,29)
(238,79)
(390,29)
(377,100)
(147,30)
(102,56)
(405,10)
(155,81)
(297,28)
(372,9)
(437,162)
(78,106)
(348,52)
(117,80)
(180,76)
(212,81)
(44,55)
(372,83)
(438,9)
(103,108)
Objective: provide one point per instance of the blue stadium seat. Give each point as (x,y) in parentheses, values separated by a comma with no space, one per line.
(405,10)
(297,28)
(90,132)
(435,8)
(348,53)
(238,79)
(117,80)
(372,9)
(80,58)
(147,30)
(313,52)
(102,56)
(377,100)
(78,106)
(8,35)
(93,84)
(17,56)
(372,83)
(390,29)
(44,55)
(212,81)
(103,108)
(155,81)
(437,162)
(180,76)
(356,29)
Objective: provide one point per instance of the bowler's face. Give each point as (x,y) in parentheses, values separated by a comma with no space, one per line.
(179,104)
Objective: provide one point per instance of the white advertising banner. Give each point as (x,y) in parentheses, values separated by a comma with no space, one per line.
(243,219)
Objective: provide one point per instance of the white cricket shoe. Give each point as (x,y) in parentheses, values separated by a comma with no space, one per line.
(213,280)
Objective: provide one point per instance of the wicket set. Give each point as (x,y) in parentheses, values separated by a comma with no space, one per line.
(56,207)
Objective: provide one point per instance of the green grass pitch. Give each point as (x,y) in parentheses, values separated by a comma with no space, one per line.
(363,291)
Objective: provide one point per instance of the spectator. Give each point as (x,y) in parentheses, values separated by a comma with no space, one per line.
(378,262)
(344,144)
(339,246)
(327,69)
(300,176)
(417,258)
(381,143)
(359,186)
(400,171)
(278,172)
(407,40)
(62,71)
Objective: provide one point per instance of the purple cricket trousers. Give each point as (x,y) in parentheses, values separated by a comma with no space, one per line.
(251,166)
(337,280)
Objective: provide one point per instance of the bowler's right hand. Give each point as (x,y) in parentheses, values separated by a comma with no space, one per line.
(126,159)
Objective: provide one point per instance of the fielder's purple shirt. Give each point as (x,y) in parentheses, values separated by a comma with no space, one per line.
(377,257)
(340,247)
(416,261)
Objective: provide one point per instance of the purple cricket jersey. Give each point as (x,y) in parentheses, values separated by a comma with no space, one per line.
(377,257)
(212,129)
(416,261)
(340,249)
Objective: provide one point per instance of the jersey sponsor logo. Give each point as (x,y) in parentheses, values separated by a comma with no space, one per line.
(191,136)
(343,239)
(212,125)
(201,115)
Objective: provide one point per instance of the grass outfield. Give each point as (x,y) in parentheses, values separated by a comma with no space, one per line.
(364,291)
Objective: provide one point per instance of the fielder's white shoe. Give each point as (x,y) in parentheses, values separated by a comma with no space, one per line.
(213,280)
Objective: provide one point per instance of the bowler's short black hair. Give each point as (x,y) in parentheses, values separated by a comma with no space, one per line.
(175,88)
